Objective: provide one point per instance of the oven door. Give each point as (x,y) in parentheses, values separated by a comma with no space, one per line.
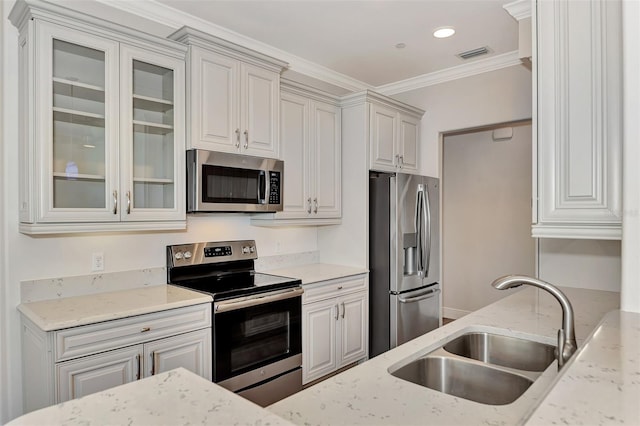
(256,338)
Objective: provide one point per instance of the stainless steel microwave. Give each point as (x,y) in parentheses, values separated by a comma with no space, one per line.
(221,182)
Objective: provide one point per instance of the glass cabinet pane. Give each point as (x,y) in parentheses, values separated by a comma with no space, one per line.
(153,136)
(78,126)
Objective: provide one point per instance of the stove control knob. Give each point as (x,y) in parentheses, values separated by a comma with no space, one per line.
(245,249)
(187,255)
(252,249)
(178,255)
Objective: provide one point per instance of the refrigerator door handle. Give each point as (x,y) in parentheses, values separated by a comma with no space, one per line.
(427,228)
(419,245)
(426,295)
(423,228)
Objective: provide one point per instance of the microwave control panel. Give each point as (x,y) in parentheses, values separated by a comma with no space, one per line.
(274,187)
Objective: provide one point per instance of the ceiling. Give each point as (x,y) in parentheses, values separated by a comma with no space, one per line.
(358,38)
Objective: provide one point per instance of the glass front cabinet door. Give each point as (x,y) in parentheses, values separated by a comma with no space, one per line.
(151,161)
(102,130)
(77,141)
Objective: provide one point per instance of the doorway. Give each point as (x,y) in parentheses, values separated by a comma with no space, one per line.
(486,213)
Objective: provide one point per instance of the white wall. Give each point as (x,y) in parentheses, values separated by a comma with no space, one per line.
(3,309)
(630,297)
(486,216)
(491,98)
(592,264)
(44,257)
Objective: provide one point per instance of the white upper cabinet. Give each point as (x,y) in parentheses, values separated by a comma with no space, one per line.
(395,139)
(232,96)
(101,125)
(393,131)
(310,138)
(578,121)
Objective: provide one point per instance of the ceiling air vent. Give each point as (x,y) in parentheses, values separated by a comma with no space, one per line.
(473,53)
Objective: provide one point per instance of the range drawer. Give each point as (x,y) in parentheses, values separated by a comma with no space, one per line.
(332,288)
(90,339)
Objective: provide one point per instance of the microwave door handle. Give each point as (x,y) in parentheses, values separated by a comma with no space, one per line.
(262,187)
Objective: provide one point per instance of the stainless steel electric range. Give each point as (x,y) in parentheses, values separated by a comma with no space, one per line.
(257,327)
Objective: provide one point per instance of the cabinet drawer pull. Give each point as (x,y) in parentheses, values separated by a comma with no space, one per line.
(339,287)
(145,329)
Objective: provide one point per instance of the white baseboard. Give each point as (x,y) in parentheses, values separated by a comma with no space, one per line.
(454,313)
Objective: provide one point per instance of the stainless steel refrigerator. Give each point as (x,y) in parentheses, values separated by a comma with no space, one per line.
(404,259)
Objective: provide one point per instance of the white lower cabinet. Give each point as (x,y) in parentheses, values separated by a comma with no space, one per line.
(334,325)
(64,364)
(87,375)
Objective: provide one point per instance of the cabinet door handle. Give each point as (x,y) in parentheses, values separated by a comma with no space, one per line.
(115,202)
(145,329)
(138,359)
(237,138)
(337,311)
(401,161)
(315,205)
(246,139)
(309,205)
(153,363)
(128,202)
(343,310)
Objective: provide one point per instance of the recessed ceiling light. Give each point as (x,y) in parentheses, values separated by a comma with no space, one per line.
(400,46)
(443,32)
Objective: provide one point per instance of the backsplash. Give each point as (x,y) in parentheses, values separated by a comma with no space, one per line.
(264,264)
(56,288)
(82,285)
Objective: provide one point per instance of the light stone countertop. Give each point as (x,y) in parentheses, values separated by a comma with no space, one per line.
(67,312)
(315,272)
(176,397)
(602,382)
(368,395)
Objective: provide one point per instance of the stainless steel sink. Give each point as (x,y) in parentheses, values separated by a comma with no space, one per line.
(476,382)
(506,351)
(480,366)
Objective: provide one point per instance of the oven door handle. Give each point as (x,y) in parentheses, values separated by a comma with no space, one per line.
(234,304)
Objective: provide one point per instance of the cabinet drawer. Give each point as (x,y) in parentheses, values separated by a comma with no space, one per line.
(81,341)
(333,288)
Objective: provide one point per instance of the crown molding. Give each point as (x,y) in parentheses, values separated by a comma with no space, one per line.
(175,19)
(492,63)
(519,9)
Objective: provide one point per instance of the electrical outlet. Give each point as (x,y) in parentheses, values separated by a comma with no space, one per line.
(97,262)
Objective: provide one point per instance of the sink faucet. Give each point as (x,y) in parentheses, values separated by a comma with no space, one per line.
(566,335)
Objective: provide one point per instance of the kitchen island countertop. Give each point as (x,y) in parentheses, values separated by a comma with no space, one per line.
(176,397)
(368,395)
